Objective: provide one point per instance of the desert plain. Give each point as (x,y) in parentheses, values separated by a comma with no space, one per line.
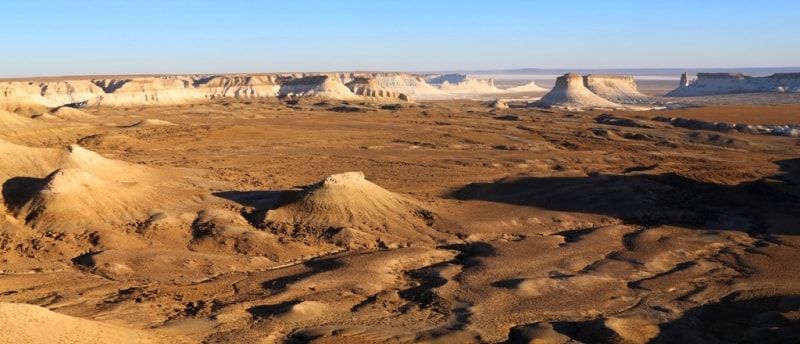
(315,219)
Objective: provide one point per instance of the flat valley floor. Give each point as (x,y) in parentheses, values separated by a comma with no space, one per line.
(215,223)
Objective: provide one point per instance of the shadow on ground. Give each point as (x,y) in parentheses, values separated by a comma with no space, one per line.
(766,206)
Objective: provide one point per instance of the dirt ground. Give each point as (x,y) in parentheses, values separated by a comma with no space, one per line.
(207,223)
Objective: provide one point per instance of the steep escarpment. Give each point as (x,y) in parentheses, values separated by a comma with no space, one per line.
(730,83)
(573,91)
(570,92)
(165,90)
(616,88)
(185,89)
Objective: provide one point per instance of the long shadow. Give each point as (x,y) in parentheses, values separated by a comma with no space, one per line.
(18,190)
(266,311)
(767,206)
(759,320)
(259,199)
(315,266)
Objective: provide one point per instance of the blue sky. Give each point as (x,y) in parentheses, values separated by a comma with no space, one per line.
(140,37)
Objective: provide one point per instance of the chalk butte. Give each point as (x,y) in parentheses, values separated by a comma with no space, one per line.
(570,92)
(616,88)
(726,83)
(573,91)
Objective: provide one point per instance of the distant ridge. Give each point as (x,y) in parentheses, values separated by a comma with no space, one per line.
(755,71)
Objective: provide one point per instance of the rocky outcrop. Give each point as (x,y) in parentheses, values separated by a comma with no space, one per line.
(731,83)
(529,87)
(616,88)
(240,86)
(684,79)
(166,90)
(367,86)
(498,104)
(185,89)
(459,83)
(323,86)
(571,93)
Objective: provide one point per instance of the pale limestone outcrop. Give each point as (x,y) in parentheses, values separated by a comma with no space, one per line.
(570,92)
(185,89)
(730,83)
(616,88)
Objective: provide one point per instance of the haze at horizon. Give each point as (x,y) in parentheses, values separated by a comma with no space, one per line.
(50,38)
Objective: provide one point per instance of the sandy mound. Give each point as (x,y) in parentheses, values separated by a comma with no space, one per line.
(70,113)
(24,323)
(110,141)
(28,161)
(90,191)
(150,123)
(160,265)
(570,93)
(529,87)
(12,124)
(348,202)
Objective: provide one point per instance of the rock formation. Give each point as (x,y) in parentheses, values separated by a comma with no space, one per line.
(529,87)
(498,104)
(616,88)
(684,79)
(730,83)
(186,89)
(570,92)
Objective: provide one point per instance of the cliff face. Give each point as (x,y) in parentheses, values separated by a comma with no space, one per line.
(616,88)
(728,83)
(183,89)
(593,91)
(570,92)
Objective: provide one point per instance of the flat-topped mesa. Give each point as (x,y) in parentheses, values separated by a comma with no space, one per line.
(731,83)
(571,93)
(616,88)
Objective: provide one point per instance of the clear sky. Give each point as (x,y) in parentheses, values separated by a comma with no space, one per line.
(63,37)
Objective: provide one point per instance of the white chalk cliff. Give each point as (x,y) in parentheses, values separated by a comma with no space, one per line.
(573,91)
(616,88)
(570,92)
(184,89)
(729,83)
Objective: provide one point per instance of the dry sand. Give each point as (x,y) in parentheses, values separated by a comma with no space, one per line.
(231,222)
